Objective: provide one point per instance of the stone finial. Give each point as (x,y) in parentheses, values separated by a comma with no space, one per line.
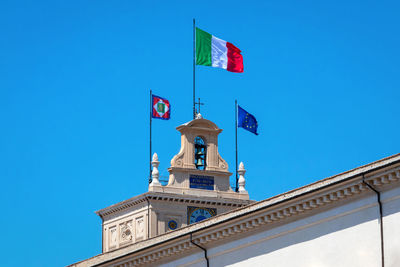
(242,181)
(155,174)
(155,158)
(199,116)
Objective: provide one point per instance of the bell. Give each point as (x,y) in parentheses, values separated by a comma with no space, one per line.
(200,153)
(199,162)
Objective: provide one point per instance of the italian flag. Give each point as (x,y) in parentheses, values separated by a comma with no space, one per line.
(214,52)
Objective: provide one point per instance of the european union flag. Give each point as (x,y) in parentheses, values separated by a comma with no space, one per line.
(247,121)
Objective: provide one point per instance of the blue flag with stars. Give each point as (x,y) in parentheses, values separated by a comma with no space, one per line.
(247,121)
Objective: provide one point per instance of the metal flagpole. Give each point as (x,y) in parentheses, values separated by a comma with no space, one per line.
(194,68)
(151,111)
(236,143)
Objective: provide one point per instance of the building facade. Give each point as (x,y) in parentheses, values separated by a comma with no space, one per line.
(350,219)
(198,188)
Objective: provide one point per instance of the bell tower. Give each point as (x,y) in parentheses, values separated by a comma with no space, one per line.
(198,169)
(198,188)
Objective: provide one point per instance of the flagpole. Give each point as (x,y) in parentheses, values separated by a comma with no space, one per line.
(194,68)
(151,111)
(236,148)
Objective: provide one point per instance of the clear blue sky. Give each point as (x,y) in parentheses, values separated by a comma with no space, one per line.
(321,77)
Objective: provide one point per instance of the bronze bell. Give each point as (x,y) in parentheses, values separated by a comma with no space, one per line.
(199,162)
(200,153)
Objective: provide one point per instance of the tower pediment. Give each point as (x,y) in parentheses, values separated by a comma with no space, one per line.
(199,124)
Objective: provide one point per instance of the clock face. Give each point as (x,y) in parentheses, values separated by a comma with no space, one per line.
(172,224)
(196,214)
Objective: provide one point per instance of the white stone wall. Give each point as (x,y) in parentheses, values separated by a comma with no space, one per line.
(346,235)
(391,223)
(125,229)
(132,226)
(165,211)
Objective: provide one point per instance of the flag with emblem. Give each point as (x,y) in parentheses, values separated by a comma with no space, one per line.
(247,121)
(161,108)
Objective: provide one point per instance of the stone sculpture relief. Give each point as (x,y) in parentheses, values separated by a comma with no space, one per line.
(222,163)
(125,232)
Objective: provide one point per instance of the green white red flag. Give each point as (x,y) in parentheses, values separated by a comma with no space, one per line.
(161,108)
(214,52)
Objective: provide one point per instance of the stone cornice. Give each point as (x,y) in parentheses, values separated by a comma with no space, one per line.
(199,125)
(264,213)
(121,206)
(158,196)
(231,202)
(199,172)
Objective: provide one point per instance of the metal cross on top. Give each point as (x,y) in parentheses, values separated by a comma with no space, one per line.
(199,104)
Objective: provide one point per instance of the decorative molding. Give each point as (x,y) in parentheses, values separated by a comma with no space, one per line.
(202,201)
(199,124)
(124,205)
(139,228)
(126,232)
(177,160)
(255,220)
(222,164)
(113,237)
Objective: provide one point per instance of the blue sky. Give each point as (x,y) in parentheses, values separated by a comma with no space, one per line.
(322,79)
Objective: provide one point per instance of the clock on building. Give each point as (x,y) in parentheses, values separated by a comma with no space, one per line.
(197,214)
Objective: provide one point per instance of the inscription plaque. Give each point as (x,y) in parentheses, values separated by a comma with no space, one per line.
(202,182)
